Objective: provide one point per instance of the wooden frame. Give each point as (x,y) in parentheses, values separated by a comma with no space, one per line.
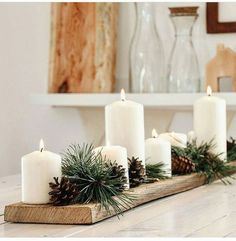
(213,24)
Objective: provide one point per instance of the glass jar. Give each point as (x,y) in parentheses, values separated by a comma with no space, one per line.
(183,69)
(146,53)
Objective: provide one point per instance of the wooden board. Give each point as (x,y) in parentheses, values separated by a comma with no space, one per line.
(90,213)
(83,47)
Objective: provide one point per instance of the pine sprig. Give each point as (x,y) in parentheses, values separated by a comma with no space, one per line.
(156,171)
(94,176)
(207,163)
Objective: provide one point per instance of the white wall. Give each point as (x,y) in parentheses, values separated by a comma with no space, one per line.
(24,45)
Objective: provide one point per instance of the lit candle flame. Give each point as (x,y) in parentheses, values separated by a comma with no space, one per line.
(41,145)
(154,133)
(122,94)
(209,90)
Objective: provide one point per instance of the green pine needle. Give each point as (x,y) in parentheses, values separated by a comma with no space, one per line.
(94,178)
(156,171)
(207,163)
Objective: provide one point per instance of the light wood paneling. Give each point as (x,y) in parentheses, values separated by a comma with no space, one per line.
(83,47)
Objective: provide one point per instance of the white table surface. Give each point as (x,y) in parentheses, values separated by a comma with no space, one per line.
(207,211)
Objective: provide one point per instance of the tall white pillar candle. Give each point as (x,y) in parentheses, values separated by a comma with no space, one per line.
(38,169)
(158,150)
(209,117)
(117,154)
(124,126)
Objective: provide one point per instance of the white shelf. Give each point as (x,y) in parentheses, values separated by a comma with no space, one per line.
(161,101)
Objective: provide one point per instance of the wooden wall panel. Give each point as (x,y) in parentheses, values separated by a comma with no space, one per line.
(83,47)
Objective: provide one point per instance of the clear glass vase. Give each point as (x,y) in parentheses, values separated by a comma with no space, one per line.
(146,53)
(183,69)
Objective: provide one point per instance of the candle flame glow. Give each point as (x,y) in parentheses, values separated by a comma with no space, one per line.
(154,133)
(209,90)
(41,145)
(122,94)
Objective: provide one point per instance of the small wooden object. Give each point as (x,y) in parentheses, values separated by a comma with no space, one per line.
(222,65)
(83,47)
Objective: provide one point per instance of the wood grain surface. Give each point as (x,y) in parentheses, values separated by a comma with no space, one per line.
(83,47)
(222,65)
(92,213)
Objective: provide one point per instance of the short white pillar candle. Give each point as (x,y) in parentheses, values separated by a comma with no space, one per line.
(38,169)
(209,121)
(116,154)
(158,150)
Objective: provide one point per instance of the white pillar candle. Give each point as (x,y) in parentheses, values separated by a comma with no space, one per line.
(158,150)
(175,139)
(209,117)
(125,126)
(38,169)
(116,154)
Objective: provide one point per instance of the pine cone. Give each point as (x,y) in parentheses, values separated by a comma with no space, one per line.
(63,192)
(136,172)
(182,165)
(118,173)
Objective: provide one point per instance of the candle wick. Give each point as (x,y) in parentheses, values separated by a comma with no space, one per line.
(41,150)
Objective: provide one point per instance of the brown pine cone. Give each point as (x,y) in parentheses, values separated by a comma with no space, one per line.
(136,172)
(118,172)
(182,165)
(63,192)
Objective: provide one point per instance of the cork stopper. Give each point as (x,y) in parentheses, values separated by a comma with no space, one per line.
(184,11)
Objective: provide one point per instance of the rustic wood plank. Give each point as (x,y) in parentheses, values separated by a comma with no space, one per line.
(159,218)
(90,213)
(83,47)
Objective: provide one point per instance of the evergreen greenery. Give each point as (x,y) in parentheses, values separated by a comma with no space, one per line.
(95,178)
(206,161)
(156,171)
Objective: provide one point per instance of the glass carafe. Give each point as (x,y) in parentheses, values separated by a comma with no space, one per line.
(183,69)
(146,53)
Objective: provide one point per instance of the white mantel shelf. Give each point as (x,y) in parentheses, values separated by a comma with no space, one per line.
(161,101)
